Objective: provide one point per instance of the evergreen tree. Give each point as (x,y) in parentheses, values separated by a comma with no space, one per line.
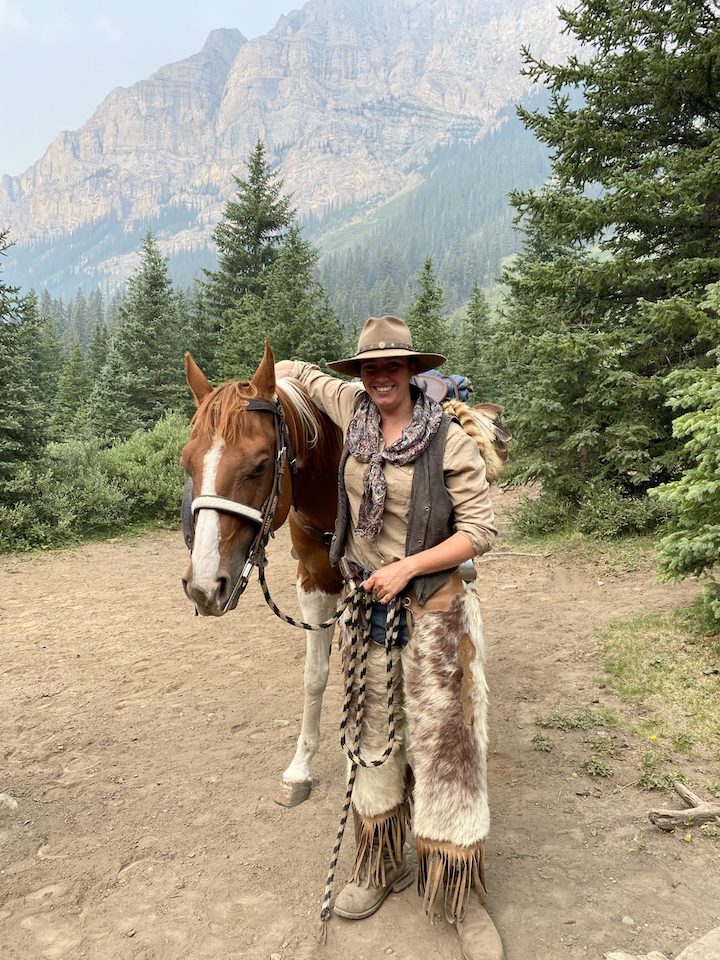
(692,547)
(249,236)
(22,428)
(621,243)
(72,394)
(295,309)
(427,325)
(143,376)
(45,351)
(472,356)
(97,350)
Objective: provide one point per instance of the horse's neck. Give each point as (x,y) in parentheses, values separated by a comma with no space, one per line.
(315,478)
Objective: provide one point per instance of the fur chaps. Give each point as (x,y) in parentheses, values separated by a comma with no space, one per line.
(442,735)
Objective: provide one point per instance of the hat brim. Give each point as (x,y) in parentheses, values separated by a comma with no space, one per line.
(351,365)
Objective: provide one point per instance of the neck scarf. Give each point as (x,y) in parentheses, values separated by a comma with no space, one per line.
(364,440)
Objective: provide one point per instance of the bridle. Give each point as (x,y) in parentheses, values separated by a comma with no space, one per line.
(264,517)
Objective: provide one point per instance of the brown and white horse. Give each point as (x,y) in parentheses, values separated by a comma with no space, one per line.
(239,434)
(231,459)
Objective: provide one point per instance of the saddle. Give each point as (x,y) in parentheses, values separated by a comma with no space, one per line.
(440,387)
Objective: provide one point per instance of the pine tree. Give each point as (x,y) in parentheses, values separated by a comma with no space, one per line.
(143,376)
(473,356)
(22,427)
(249,236)
(72,394)
(295,310)
(427,325)
(97,350)
(621,242)
(692,547)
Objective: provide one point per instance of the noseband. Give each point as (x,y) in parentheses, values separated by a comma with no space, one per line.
(263,517)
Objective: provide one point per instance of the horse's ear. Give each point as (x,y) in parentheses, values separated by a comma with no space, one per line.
(264,377)
(197,381)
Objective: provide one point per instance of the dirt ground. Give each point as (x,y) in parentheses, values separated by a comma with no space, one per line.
(143,748)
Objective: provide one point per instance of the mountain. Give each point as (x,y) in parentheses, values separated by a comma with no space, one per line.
(355,99)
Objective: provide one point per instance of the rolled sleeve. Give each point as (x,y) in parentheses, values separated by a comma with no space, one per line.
(336,398)
(466,482)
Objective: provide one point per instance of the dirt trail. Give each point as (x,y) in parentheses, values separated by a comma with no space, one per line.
(144,747)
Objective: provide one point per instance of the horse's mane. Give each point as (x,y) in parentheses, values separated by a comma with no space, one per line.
(221,413)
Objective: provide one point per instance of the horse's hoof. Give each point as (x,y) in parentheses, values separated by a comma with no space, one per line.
(292,794)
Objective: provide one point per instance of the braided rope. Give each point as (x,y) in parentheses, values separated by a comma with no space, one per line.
(356,627)
(301,623)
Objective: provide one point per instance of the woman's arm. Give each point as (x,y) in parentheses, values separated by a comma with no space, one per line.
(389,580)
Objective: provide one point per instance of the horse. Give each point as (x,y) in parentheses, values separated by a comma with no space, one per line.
(236,458)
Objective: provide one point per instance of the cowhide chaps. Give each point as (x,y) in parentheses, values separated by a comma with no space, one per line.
(437,769)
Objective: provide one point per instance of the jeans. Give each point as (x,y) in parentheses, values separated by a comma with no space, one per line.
(378,623)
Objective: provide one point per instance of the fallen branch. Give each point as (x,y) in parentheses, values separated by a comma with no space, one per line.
(501,554)
(698,812)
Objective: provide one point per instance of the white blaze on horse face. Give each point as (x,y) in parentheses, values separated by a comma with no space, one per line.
(206,546)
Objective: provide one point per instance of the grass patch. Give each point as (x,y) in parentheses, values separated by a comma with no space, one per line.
(584,720)
(596,767)
(664,663)
(651,777)
(542,743)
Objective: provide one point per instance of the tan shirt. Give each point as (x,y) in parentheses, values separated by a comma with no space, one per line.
(463,468)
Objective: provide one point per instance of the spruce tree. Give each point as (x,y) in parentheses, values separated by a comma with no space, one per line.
(249,236)
(22,425)
(425,319)
(621,243)
(295,309)
(473,355)
(72,394)
(692,546)
(143,377)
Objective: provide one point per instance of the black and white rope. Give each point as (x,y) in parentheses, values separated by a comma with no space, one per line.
(358,627)
(301,623)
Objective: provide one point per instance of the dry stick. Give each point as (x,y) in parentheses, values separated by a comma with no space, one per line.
(699,811)
(501,554)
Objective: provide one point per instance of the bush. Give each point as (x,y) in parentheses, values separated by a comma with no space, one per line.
(607,513)
(81,489)
(542,516)
(146,467)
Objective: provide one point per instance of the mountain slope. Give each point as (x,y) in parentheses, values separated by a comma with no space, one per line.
(351,96)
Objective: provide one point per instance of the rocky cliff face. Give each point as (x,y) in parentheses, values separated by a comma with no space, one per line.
(350,96)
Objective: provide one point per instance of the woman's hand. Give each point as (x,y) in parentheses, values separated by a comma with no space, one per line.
(387,582)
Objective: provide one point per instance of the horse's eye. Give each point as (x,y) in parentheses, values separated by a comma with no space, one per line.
(259,469)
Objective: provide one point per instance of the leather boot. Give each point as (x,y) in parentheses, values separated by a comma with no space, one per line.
(479,938)
(358,900)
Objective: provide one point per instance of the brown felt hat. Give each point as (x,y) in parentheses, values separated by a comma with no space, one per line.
(383,337)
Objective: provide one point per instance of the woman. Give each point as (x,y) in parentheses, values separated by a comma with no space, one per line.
(414,504)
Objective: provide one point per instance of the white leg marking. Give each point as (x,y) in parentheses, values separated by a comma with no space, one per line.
(206,548)
(316,607)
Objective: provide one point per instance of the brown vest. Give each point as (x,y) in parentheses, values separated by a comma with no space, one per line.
(431,514)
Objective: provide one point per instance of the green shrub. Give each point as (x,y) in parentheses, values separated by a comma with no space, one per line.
(542,516)
(146,467)
(607,513)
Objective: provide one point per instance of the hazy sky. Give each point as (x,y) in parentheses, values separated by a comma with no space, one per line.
(59,58)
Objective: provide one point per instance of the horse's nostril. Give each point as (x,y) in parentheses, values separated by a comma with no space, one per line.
(223,588)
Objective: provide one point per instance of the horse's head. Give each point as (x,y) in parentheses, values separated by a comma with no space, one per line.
(230,459)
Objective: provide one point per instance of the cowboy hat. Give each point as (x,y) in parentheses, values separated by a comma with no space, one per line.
(381,338)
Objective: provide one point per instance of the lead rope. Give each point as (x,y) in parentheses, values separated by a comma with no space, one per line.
(356,628)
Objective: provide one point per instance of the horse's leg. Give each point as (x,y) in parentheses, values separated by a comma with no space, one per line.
(316,606)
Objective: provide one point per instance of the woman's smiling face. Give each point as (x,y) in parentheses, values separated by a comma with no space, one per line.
(387,382)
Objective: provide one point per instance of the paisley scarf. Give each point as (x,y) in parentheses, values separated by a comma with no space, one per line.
(365,443)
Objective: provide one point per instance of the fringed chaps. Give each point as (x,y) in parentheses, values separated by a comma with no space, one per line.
(442,734)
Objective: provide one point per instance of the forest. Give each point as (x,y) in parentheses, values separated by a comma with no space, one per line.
(600,337)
